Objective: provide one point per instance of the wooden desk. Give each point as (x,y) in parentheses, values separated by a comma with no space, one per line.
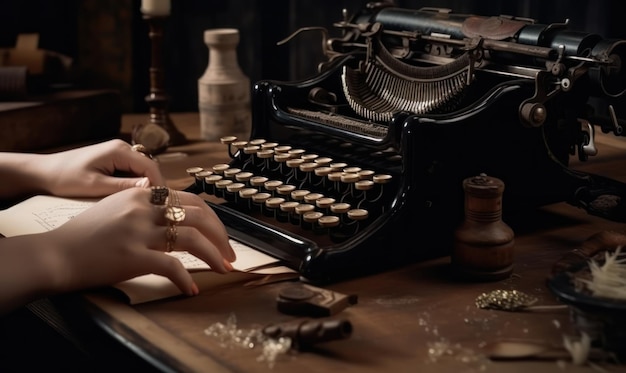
(402,316)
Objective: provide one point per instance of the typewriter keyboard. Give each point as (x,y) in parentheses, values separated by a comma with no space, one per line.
(295,187)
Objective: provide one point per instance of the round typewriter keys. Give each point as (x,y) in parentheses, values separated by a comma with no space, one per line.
(230,140)
(220,168)
(302,209)
(229,173)
(246,195)
(209,183)
(258,202)
(273,205)
(310,219)
(271,186)
(232,190)
(287,212)
(258,182)
(282,149)
(192,171)
(220,187)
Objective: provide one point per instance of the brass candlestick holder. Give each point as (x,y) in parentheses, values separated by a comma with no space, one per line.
(157,99)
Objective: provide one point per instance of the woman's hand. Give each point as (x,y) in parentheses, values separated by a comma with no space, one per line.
(122,236)
(97,170)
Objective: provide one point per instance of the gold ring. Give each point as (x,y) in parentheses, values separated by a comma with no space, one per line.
(140,148)
(159,195)
(171,234)
(175,214)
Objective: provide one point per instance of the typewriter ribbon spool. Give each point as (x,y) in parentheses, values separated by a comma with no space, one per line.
(483,246)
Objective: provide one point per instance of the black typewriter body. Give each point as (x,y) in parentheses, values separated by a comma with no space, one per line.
(500,107)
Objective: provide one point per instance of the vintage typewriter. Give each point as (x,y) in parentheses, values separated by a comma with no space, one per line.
(360,167)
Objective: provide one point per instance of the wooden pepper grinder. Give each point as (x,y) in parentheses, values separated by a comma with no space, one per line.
(483,247)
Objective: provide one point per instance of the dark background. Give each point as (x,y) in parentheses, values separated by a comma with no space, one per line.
(108,39)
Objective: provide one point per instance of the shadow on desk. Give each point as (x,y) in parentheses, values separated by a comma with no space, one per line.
(36,338)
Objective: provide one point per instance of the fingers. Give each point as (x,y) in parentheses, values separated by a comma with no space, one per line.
(200,216)
(136,163)
(173,269)
(200,232)
(144,166)
(191,240)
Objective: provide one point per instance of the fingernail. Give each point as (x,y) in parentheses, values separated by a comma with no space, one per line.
(227,264)
(143,182)
(194,289)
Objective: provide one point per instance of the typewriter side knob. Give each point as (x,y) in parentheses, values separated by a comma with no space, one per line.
(483,246)
(533,114)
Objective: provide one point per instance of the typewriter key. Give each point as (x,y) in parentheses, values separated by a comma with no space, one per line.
(323,161)
(358,214)
(230,172)
(299,194)
(271,186)
(324,203)
(287,212)
(200,175)
(240,144)
(192,171)
(258,142)
(220,187)
(296,153)
(233,191)
(243,176)
(251,149)
(282,149)
(209,183)
(309,157)
(302,209)
(310,219)
(219,168)
(258,202)
(312,197)
(328,223)
(273,204)
(227,140)
(246,194)
(285,189)
(340,208)
(338,166)
(257,181)
(366,174)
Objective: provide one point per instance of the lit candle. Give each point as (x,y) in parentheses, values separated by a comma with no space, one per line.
(155,7)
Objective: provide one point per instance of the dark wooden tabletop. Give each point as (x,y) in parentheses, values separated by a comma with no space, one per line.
(417,318)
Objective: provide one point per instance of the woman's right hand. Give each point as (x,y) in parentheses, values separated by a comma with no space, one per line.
(124,236)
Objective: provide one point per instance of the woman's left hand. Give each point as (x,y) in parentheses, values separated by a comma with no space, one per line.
(98,170)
